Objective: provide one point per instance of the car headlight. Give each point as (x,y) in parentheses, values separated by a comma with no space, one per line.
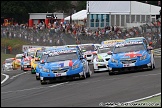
(39,66)
(99,60)
(113,60)
(143,57)
(75,66)
(45,70)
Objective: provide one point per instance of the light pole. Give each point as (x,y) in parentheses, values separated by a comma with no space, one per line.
(88,15)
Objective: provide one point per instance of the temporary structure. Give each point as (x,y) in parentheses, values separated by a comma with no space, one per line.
(81,15)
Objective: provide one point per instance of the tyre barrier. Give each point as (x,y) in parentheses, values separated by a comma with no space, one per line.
(157,52)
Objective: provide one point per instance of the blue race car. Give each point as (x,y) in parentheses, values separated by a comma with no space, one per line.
(129,56)
(65,63)
(43,57)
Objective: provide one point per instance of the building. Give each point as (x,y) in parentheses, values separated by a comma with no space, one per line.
(120,13)
(78,18)
(35,18)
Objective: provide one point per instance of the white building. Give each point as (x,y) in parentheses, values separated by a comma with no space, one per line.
(120,13)
(78,17)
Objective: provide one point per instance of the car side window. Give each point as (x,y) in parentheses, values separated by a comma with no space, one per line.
(80,53)
(145,42)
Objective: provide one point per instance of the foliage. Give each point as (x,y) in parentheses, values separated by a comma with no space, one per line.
(15,43)
(19,10)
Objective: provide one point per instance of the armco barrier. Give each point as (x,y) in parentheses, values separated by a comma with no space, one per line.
(157,52)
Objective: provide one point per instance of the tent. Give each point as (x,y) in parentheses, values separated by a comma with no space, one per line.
(81,15)
(122,7)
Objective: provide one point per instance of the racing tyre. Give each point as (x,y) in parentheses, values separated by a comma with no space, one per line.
(89,74)
(154,65)
(37,78)
(111,73)
(84,75)
(13,67)
(43,82)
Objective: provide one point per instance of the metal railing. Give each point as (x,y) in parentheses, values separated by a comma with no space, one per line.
(52,37)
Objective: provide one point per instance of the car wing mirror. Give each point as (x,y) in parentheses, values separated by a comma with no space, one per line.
(42,61)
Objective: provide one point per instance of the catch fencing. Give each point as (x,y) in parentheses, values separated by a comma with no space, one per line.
(56,37)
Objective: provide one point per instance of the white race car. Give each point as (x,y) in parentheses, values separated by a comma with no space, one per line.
(88,50)
(7,64)
(100,61)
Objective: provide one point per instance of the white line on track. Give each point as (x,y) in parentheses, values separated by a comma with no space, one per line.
(144,98)
(35,88)
(17,75)
(148,97)
(7,76)
(137,100)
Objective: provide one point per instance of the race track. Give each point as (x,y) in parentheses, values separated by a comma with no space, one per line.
(22,89)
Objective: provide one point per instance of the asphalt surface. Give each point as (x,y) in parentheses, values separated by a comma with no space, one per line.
(22,89)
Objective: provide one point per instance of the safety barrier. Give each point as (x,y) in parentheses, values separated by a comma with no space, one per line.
(157,52)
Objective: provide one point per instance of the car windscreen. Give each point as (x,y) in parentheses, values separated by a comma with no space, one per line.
(39,53)
(105,50)
(19,57)
(8,60)
(62,57)
(129,48)
(43,57)
(30,53)
(87,47)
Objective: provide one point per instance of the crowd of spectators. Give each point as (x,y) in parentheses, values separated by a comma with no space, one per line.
(60,33)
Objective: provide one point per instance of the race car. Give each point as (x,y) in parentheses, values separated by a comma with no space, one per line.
(16,64)
(100,61)
(34,63)
(112,41)
(26,59)
(71,46)
(88,51)
(67,63)
(7,64)
(36,59)
(129,56)
(43,57)
(144,41)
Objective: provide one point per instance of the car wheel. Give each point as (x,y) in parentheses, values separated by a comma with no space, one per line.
(153,64)
(32,71)
(37,77)
(84,75)
(43,82)
(89,74)
(111,73)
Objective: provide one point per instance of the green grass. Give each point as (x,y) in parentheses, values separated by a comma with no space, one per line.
(14,43)
(151,102)
(154,99)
